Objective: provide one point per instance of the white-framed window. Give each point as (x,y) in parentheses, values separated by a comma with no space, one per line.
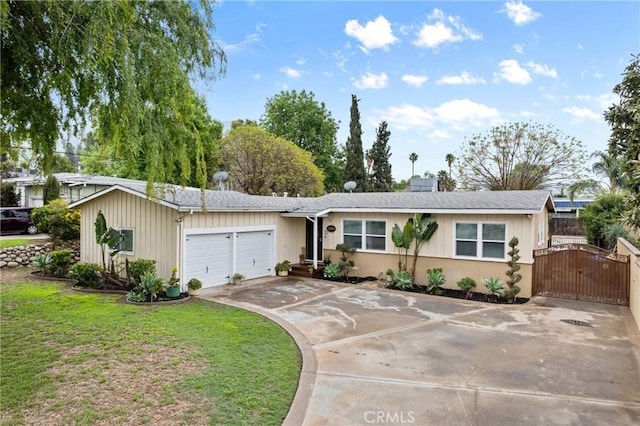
(480,240)
(364,234)
(126,241)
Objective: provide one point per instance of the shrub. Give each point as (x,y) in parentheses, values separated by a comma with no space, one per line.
(42,263)
(194,284)
(346,264)
(513,277)
(467,284)
(332,270)
(435,279)
(402,280)
(57,220)
(150,285)
(494,285)
(87,274)
(139,267)
(60,262)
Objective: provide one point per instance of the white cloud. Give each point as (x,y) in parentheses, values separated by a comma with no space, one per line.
(520,13)
(301,61)
(512,72)
(291,72)
(376,34)
(372,81)
(519,48)
(582,113)
(542,69)
(440,134)
(465,110)
(341,61)
(464,78)
(603,101)
(405,117)
(256,76)
(443,29)
(241,45)
(414,80)
(455,112)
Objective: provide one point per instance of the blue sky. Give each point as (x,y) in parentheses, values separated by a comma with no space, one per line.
(437,72)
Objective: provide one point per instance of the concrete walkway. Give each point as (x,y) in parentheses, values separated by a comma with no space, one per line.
(377,356)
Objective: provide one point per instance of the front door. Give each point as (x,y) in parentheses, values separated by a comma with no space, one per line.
(309,239)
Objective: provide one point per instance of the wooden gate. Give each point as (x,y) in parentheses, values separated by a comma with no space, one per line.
(581,272)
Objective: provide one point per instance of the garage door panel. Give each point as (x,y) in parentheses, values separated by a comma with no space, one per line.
(208,258)
(254,253)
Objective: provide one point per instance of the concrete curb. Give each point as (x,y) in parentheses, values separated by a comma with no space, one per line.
(298,409)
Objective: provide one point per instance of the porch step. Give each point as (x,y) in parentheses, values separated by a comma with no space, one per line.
(302,270)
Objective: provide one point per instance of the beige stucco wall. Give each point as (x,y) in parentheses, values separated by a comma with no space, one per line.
(624,247)
(154,225)
(439,251)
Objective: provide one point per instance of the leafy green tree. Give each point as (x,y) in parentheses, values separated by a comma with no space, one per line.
(624,119)
(123,65)
(606,210)
(413,157)
(609,166)
(380,153)
(50,189)
(8,195)
(423,226)
(354,167)
(260,163)
(450,159)
(71,152)
(61,164)
(520,156)
(243,122)
(300,118)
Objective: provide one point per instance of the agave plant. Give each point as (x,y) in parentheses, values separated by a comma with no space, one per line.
(150,285)
(494,285)
(332,270)
(435,279)
(403,280)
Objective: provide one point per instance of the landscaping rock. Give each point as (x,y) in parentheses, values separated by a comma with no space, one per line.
(23,255)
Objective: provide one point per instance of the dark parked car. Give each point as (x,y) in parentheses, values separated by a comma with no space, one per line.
(16,220)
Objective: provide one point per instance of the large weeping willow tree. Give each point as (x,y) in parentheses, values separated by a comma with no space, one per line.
(122,67)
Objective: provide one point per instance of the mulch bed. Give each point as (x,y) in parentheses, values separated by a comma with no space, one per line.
(477,297)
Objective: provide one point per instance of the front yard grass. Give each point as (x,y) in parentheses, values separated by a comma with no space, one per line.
(14,242)
(90,359)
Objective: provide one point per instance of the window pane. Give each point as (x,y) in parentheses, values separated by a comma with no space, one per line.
(127,240)
(352,227)
(376,228)
(466,248)
(376,243)
(493,232)
(493,250)
(467,231)
(353,241)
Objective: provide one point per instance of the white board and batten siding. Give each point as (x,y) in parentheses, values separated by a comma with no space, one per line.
(213,255)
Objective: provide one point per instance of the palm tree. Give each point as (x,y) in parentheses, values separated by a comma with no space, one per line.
(610,166)
(413,157)
(449,158)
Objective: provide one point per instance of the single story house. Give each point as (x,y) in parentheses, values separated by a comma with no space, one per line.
(212,235)
(73,186)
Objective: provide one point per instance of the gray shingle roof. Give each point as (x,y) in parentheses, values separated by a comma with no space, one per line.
(481,201)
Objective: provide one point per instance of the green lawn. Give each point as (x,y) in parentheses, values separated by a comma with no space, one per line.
(86,359)
(14,243)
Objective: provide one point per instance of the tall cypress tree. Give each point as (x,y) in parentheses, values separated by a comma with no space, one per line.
(354,168)
(381,179)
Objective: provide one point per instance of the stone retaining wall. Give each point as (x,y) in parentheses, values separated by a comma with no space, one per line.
(23,255)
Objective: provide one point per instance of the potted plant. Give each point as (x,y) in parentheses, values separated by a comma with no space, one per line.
(194,286)
(311,269)
(173,285)
(282,268)
(237,278)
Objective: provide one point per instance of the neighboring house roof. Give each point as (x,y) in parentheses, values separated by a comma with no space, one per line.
(73,179)
(481,202)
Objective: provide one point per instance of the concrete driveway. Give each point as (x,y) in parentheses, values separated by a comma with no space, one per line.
(376,356)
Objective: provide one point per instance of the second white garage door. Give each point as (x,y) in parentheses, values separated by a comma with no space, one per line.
(254,254)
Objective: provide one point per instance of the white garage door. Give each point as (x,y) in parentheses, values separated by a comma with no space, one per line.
(254,253)
(208,258)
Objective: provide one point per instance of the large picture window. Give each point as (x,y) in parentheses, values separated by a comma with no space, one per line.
(365,234)
(482,240)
